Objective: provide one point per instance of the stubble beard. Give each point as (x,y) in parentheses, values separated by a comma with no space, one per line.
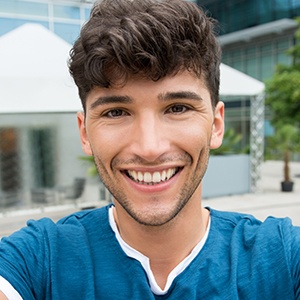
(156,217)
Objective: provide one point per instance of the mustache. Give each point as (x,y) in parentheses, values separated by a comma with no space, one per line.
(137,160)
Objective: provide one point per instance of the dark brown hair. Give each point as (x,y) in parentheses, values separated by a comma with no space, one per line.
(153,38)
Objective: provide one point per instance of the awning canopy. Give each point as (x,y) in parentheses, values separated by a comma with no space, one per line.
(33,72)
(236,83)
(34,76)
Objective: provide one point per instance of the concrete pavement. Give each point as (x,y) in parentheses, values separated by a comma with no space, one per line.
(270,202)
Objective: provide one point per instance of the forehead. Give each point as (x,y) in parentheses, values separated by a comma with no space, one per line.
(137,87)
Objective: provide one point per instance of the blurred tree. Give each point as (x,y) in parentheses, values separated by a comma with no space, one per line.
(283,89)
(285,142)
(283,100)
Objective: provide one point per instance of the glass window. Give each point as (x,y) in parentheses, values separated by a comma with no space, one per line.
(69,32)
(9,160)
(24,8)
(87,12)
(240,14)
(69,12)
(236,54)
(8,24)
(281,9)
(283,59)
(295,7)
(266,48)
(225,57)
(251,67)
(251,51)
(41,141)
(267,67)
(283,44)
(238,65)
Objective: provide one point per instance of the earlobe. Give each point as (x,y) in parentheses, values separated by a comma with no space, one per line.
(83,134)
(218,126)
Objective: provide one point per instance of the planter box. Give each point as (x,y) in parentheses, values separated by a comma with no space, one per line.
(287,186)
(227,175)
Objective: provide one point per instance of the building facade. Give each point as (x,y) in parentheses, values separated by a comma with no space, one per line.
(254,36)
(63,17)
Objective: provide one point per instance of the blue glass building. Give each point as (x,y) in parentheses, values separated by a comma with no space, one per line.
(63,17)
(255,34)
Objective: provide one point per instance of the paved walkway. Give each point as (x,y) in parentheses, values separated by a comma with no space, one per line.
(271,201)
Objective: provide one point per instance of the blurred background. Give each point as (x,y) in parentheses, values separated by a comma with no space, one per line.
(41,161)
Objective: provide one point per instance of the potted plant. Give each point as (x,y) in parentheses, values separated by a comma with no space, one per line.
(284,143)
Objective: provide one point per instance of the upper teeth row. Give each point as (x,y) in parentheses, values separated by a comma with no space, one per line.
(155,177)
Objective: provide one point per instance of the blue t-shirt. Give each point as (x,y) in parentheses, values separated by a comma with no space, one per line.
(80,258)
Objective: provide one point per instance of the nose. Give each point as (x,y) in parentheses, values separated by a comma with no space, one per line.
(151,138)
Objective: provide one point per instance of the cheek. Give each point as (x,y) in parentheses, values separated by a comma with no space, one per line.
(106,144)
(193,138)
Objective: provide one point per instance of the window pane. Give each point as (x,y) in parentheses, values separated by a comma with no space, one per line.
(70,12)
(87,13)
(68,32)
(27,8)
(41,141)
(267,67)
(251,65)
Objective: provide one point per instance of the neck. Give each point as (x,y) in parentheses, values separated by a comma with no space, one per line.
(167,245)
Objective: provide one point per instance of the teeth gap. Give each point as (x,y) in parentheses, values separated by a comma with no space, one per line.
(140,177)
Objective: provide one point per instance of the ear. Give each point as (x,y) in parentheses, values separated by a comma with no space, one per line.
(83,134)
(218,126)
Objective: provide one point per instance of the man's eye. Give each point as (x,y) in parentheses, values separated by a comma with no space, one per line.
(177,109)
(115,113)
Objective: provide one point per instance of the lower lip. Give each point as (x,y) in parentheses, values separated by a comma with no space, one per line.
(153,188)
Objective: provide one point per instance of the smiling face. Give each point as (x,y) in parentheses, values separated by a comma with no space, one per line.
(151,142)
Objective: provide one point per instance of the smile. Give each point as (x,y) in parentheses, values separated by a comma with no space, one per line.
(152,178)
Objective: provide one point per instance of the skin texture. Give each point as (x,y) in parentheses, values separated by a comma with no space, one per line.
(151,126)
(2,296)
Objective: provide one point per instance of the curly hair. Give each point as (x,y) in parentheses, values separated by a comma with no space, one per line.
(152,38)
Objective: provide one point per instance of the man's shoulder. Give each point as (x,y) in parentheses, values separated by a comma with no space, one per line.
(237,218)
(85,215)
(75,224)
(246,227)
(232,219)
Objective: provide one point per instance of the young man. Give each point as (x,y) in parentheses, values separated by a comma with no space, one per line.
(148,77)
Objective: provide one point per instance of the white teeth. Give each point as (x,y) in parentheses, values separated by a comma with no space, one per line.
(155,177)
(147,177)
(140,176)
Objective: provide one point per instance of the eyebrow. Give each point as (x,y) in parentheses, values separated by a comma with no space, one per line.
(163,97)
(179,95)
(110,100)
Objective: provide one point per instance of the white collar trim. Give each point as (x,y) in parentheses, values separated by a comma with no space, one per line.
(144,260)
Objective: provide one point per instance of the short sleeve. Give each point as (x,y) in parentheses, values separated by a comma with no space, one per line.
(22,260)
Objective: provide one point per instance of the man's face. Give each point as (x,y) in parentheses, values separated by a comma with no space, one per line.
(151,142)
